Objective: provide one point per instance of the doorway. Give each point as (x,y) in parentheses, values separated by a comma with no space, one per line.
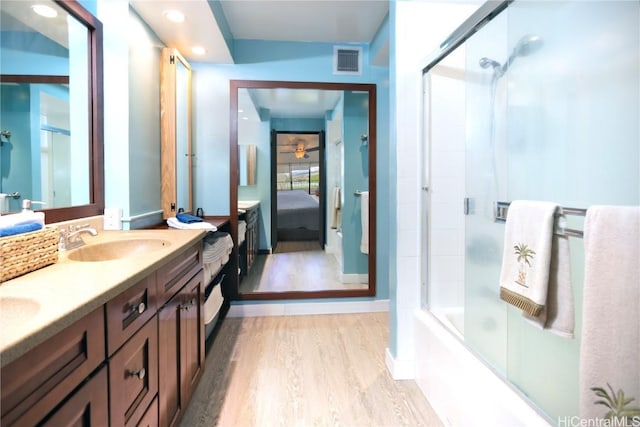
(297,191)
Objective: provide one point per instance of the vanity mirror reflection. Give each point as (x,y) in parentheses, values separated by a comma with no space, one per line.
(317,148)
(51,147)
(175,133)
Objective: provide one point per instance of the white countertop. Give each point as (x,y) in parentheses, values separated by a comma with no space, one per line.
(247,204)
(40,304)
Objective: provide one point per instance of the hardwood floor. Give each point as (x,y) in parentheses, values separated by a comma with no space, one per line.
(324,370)
(303,267)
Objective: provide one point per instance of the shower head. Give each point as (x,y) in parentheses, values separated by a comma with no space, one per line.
(526,46)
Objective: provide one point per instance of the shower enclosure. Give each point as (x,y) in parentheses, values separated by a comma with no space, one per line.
(538,101)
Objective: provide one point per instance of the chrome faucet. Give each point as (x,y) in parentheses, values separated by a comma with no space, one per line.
(74,238)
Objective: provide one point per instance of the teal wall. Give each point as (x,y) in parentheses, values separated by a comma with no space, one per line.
(297,125)
(285,61)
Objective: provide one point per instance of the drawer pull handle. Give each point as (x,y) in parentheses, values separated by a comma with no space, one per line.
(140,374)
(140,308)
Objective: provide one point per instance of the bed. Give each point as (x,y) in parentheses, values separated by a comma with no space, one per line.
(298,216)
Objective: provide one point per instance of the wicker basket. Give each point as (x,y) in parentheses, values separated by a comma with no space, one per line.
(23,253)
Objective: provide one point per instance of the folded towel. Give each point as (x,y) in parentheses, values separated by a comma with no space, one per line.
(19,229)
(335,208)
(524,277)
(188,219)
(174,223)
(610,317)
(364,222)
(558,314)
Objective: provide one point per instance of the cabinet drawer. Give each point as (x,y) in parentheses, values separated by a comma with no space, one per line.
(133,376)
(127,312)
(33,385)
(150,418)
(179,271)
(88,406)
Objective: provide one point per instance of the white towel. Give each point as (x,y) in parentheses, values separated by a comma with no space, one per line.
(558,314)
(524,277)
(174,223)
(364,221)
(335,208)
(610,348)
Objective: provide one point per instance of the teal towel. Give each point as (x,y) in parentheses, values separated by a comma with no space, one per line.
(19,229)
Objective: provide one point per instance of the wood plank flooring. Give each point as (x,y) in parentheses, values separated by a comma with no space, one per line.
(323,370)
(303,268)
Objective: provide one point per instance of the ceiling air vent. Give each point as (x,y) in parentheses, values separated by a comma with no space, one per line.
(347,60)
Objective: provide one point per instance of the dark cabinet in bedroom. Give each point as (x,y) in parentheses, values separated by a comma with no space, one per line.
(249,247)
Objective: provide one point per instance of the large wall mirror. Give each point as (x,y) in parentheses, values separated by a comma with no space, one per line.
(51,132)
(315,185)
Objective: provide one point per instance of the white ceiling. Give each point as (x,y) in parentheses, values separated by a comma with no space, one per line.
(326,21)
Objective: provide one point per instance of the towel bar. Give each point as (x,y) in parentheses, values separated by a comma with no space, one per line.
(501,208)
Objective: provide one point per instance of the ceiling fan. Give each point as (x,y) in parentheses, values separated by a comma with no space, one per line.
(298,149)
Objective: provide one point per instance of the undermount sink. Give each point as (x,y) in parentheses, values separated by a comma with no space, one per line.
(17,308)
(116,249)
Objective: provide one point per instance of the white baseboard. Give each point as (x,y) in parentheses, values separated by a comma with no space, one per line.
(307,308)
(399,369)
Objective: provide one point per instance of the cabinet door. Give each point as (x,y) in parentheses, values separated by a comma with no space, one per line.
(88,406)
(150,418)
(173,276)
(133,376)
(127,312)
(181,349)
(192,334)
(33,385)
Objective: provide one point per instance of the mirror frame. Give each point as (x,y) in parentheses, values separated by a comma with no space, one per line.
(234,85)
(169,156)
(96,112)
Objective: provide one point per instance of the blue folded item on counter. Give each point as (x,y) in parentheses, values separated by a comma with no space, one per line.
(188,219)
(19,229)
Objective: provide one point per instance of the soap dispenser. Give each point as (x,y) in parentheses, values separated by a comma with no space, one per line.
(29,215)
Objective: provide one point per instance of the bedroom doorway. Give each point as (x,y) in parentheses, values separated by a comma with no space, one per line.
(297,191)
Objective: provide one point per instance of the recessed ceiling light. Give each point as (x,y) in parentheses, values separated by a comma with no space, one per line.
(245,118)
(240,110)
(174,15)
(198,50)
(46,11)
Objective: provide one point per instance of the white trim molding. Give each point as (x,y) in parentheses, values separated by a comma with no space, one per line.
(307,308)
(399,369)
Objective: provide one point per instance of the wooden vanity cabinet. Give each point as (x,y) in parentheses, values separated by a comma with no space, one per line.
(127,312)
(181,348)
(126,363)
(33,385)
(88,406)
(249,249)
(133,376)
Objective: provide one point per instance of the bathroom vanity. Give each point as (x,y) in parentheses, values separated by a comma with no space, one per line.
(105,342)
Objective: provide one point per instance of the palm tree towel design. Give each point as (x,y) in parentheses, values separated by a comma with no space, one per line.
(524,276)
